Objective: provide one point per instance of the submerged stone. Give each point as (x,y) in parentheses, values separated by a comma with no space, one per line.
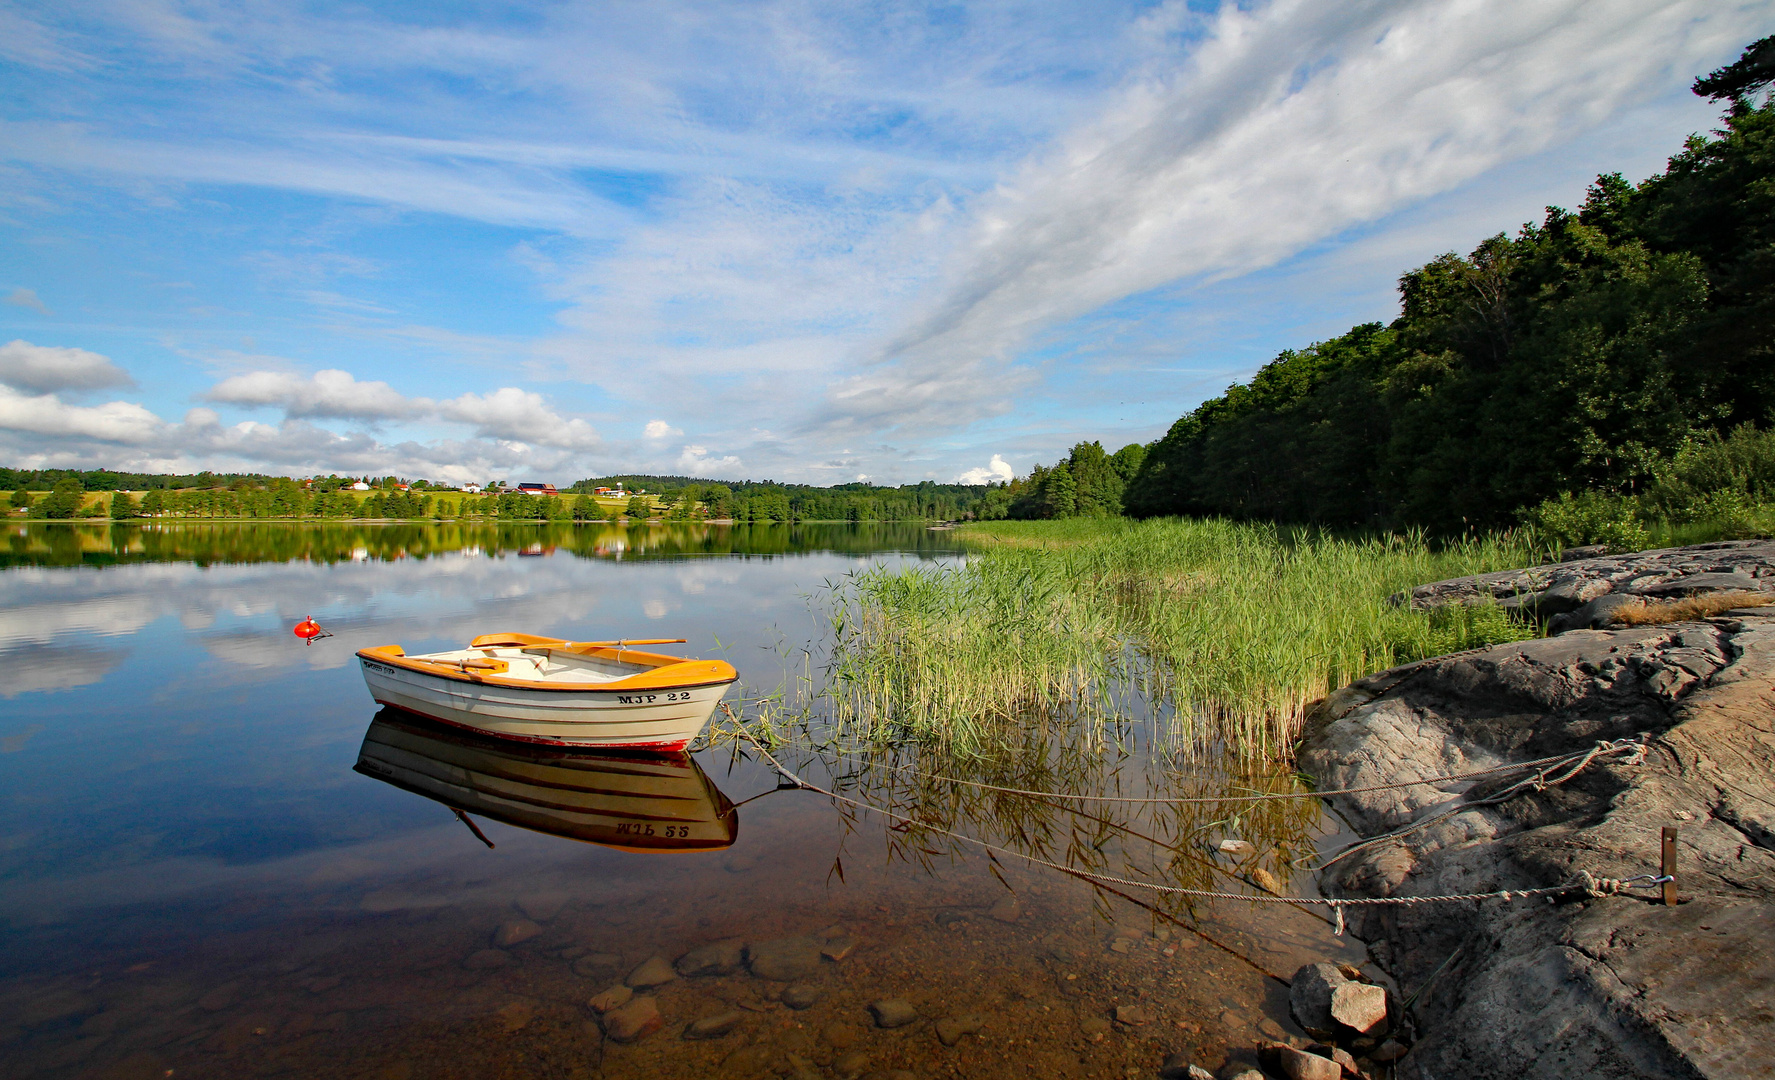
(633,1021)
(950,1029)
(653,971)
(514,931)
(714,1027)
(784,959)
(893,1012)
(716,958)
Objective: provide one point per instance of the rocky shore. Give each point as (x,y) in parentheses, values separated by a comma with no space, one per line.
(1615,986)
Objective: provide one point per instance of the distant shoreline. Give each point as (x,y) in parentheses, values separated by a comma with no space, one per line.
(15,518)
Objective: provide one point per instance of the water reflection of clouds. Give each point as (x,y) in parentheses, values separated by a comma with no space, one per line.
(36,668)
(240,614)
(694,579)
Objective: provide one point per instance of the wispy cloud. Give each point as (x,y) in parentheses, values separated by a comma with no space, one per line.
(1287,124)
(27,298)
(853,240)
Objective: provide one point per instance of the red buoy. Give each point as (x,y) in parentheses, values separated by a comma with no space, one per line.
(308,630)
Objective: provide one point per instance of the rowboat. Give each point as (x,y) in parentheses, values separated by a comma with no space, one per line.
(603,694)
(636,802)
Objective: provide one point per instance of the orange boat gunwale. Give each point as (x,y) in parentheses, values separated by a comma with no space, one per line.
(669,672)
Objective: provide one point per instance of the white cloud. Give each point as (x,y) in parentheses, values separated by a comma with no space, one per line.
(508,414)
(659,429)
(695,461)
(332,393)
(520,416)
(997,471)
(1288,123)
(46,369)
(46,415)
(27,298)
(42,431)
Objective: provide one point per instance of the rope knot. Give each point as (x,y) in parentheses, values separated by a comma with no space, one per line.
(1599,886)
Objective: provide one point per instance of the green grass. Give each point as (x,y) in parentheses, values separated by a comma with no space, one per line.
(1233,628)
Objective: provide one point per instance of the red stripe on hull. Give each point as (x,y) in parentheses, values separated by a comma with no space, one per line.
(665,747)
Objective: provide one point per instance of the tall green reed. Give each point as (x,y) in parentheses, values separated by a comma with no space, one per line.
(1233,629)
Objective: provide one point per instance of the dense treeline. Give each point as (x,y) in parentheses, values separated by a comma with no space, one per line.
(74,494)
(1585,354)
(107,480)
(1086,483)
(751,500)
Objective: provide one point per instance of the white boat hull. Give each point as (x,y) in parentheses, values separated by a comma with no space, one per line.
(650,719)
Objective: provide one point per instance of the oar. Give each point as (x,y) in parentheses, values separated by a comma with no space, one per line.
(626,642)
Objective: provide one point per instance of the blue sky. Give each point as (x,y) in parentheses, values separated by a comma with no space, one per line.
(811,242)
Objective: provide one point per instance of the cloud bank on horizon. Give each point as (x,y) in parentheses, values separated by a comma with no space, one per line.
(779,239)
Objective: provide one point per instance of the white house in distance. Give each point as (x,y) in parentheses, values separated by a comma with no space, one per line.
(360,486)
(471,489)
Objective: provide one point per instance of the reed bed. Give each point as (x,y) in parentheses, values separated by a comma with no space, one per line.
(1227,631)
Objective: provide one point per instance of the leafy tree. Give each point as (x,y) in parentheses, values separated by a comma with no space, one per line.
(124,506)
(639,508)
(21,499)
(62,502)
(1746,75)
(153,503)
(1580,354)
(1059,492)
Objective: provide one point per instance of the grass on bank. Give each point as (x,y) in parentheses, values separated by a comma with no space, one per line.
(1236,627)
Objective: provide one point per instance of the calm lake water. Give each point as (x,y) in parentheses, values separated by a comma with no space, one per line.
(205,870)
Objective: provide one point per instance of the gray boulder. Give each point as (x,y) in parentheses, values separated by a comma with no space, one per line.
(1543,591)
(1596,614)
(1610,986)
(1309,998)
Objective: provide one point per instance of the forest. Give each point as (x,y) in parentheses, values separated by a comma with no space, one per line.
(1601,365)
(751,500)
(67,493)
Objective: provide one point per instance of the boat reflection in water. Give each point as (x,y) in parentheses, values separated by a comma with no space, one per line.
(649,803)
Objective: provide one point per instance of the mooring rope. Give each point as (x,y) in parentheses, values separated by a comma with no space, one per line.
(1587,882)
(1550,776)
(1583,758)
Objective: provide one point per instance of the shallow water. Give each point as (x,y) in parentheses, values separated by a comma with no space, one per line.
(195,878)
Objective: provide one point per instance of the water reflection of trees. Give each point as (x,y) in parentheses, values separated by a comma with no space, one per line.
(204,543)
